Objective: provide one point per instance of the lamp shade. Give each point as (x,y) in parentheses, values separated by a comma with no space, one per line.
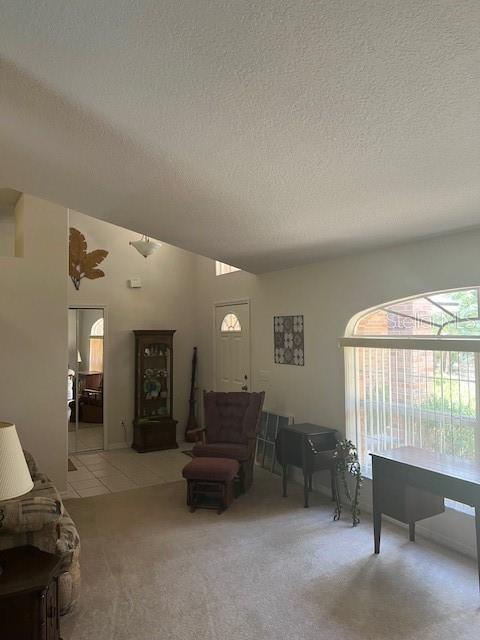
(15,479)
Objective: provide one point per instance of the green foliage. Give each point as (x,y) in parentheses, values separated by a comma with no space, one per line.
(465,307)
(348,465)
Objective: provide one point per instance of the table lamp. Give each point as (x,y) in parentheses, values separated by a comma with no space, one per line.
(15,478)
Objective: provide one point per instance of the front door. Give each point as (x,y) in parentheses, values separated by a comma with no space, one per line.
(232,347)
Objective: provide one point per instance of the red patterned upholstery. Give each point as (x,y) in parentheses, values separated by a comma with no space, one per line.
(232,417)
(231,425)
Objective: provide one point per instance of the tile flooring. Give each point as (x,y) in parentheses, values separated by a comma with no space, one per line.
(123,469)
(89,437)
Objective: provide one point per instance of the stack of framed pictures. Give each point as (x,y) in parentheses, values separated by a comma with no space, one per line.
(270,424)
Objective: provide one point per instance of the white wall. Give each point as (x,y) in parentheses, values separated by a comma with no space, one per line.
(178,292)
(165,301)
(7,233)
(33,336)
(328,294)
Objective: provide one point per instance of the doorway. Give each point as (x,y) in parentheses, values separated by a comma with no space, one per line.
(232,346)
(86,379)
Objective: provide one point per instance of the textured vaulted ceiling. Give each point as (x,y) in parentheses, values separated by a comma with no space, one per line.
(266,133)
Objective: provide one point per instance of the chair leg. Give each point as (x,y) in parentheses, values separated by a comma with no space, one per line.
(246,475)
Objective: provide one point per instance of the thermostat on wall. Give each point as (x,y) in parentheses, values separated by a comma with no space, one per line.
(134,283)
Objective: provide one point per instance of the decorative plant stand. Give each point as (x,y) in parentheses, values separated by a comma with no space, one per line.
(347,466)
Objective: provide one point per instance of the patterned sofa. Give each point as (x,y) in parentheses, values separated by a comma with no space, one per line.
(39,518)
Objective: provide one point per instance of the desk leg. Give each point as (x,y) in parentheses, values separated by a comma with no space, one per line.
(477,527)
(377,529)
(411,531)
(284,479)
(377,511)
(306,476)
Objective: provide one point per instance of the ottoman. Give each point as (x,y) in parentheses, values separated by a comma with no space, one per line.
(210,482)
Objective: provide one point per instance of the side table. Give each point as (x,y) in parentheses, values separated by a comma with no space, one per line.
(29,594)
(309,447)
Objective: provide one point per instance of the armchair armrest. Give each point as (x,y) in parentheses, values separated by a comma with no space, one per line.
(251,442)
(22,515)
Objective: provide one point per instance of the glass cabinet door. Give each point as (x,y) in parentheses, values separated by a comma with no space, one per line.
(155,394)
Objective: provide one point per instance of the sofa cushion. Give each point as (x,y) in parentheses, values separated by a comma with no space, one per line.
(215,469)
(58,534)
(222,450)
(28,513)
(31,464)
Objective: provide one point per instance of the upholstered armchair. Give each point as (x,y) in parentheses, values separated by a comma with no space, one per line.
(230,429)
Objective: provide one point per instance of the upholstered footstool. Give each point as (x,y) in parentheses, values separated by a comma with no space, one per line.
(210,482)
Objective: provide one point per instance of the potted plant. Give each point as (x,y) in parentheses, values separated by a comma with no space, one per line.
(348,466)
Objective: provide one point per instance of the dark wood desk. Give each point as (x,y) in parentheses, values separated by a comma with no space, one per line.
(410,484)
(309,447)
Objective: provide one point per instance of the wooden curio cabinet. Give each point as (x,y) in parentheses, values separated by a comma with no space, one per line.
(154,426)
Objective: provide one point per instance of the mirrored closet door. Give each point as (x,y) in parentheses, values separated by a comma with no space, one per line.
(85,398)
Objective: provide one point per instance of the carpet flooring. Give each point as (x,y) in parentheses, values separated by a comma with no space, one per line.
(266,569)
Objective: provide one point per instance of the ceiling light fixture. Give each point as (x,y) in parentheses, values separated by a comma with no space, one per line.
(146,246)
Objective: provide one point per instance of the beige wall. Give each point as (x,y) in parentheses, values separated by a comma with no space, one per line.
(328,294)
(33,336)
(7,234)
(165,301)
(179,290)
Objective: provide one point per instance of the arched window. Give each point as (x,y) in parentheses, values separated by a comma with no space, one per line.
(221,268)
(412,375)
(97,328)
(231,323)
(96,346)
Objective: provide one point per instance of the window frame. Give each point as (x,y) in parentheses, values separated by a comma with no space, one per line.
(437,343)
(224,269)
(233,330)
(97,329)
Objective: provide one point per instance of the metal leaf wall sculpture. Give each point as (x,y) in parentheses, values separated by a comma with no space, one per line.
(81,263)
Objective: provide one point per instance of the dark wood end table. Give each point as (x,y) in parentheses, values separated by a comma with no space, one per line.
(29,594)
(309,447)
